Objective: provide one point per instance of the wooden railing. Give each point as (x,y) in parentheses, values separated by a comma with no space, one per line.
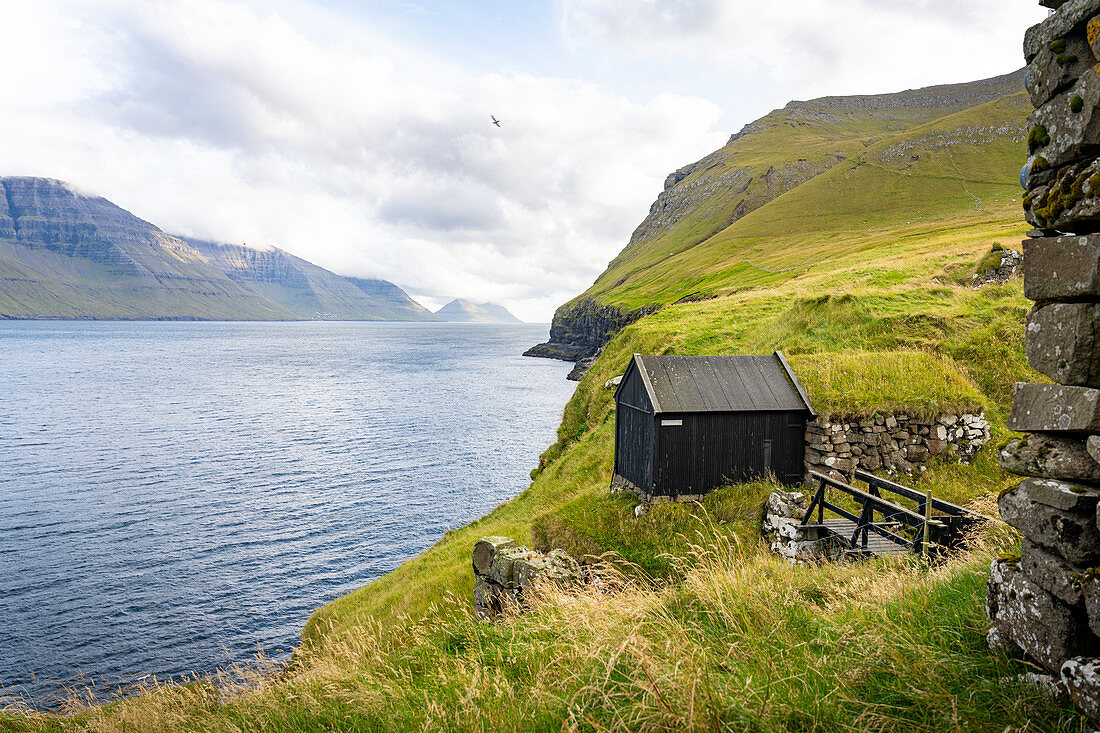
(900,525)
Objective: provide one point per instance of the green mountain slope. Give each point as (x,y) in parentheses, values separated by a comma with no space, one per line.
(835,171)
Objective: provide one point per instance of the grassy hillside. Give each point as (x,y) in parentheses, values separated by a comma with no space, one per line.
(697,625)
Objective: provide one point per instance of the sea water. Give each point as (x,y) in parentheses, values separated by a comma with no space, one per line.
(175,497)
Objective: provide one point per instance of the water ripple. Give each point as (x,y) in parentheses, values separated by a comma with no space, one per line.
(175,495)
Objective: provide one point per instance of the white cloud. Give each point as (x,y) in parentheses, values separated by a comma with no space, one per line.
(290,125)
(766,53)
(299,129)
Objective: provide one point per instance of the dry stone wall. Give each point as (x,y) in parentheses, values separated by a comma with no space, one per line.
(1045,602)
(891,444)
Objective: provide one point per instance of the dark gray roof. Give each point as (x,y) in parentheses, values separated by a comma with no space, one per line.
(721,383)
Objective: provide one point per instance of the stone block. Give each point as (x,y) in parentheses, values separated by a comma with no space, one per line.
(1052,572)
(486,549)
(502,569)
(1071,533)
(1045,628)
(1093,447)
(557,568)
(1065,198)
(917,453)
(1081,677)
(1062,268)
(1054,408)
(1063,342)
(1070,17)
(488,595)
(1062,495)
(1055,69)
(1061,135)
(1050,456)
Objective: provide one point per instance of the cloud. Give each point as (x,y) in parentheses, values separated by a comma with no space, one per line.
(287,124)
(808,48)
(297,127)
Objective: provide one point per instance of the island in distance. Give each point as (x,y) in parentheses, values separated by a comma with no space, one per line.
(464,311)
(67,254)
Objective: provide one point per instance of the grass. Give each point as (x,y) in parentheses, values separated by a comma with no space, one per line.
(860,383)
(697,626)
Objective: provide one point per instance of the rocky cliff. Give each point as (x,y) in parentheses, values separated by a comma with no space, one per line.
(691,244)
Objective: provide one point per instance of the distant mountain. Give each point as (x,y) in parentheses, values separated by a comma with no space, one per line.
(67,254)
(463,311)
(309,291)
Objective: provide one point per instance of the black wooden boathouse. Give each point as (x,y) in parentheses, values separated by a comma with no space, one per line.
(687,424)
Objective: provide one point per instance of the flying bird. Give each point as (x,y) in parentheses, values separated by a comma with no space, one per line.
(495,120)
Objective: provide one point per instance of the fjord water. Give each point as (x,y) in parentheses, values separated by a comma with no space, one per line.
(175,496)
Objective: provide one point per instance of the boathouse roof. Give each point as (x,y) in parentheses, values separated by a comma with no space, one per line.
(720,383)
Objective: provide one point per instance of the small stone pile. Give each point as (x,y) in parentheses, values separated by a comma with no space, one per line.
(505,575)
(1011,261)
(783,531)
(1046,601)
(893,443)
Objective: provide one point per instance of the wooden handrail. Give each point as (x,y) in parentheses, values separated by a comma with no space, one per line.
(939,504)
(907,516)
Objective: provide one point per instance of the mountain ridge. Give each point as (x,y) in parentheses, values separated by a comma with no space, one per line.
(65,254)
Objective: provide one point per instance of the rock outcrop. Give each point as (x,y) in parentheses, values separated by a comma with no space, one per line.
(581,328)
(505,575)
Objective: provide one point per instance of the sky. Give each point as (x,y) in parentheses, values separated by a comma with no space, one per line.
(357,134)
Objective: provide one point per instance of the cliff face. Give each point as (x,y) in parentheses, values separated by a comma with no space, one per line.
(463,311)
(699,238)
(580,330)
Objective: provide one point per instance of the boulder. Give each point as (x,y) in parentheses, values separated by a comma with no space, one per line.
(1065,199)
(613,382)
(1070,17)
(1051,572)
(1072,533)
(1081,677)
(1062,268)
(1050,456)
(1063,342)
(486,549)
(1045,628)
(1050,408)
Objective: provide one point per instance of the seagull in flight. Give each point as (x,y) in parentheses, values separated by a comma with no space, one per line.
(495,120)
